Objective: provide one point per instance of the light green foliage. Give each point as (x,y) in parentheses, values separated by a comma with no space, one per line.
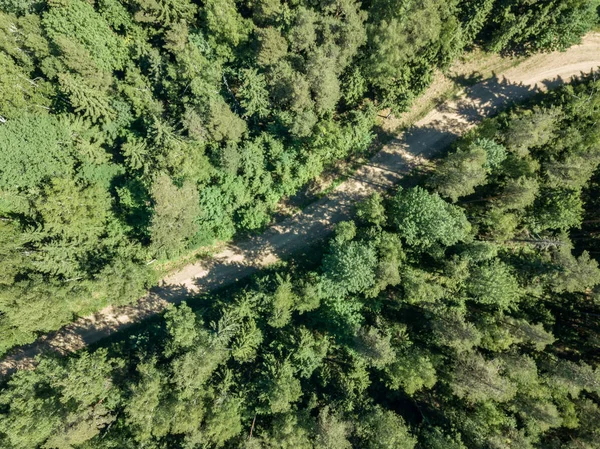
(501,225)
(405,40)
(164,11)
(60,404)
(412,372)
(142,129)
(399,32)
(390,257)
(90,101)
(575,274)
(495,153)
(31,421)
(281,387)
(517,194)
(530,129)
(272,44)
(588,433)
(193,369)
(542,26)
(382,429)
(324,83)
(16,6)
(312,349)
(494,285)
(145,400)
(72,212)
(351,266)
(371,210)
(309,297)
(573,378)
(522,370)
(573,172)
(476,379)
(284,300)
(303,34)
(436,439)
(538,416)
(420,286)
(521,331)
(253,93)
(115,14)
(17,97)
(290,431)
(478,251)
(425,219)
(72,220)
(375,347)
(345,231)
(222,123)
(225,25)
(451,329)
(88,390)
(332,432)
(175,210)
(461,172)
(516,166)
(76,20)
(354,87)
(267,11)
(247,342)
(33,149)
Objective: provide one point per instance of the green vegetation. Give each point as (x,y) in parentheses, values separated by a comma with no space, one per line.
(142,129)
(429,323)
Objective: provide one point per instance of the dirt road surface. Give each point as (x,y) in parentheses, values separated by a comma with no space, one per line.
(429,135)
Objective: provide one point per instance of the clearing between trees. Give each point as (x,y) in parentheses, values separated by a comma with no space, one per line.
(412,148)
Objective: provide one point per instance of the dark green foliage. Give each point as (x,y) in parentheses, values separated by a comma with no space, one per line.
(524,26)
(459,173)
(82,389)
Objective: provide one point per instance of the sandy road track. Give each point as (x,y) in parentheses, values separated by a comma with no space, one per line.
(429,135)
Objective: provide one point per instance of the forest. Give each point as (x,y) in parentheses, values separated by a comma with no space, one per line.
(459,311)
(138,130)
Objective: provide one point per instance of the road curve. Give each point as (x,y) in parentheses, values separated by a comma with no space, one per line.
(429,135)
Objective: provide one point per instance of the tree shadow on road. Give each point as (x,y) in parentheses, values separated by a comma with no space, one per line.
(88,330)
(489,97)
(467,80)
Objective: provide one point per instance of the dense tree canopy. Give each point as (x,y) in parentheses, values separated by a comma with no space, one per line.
(139,130)
(435,327)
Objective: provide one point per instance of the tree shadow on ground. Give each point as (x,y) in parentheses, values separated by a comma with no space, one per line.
(487,98)
(90,329)
(467,80)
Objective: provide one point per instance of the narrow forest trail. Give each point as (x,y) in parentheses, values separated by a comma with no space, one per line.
(429,135)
